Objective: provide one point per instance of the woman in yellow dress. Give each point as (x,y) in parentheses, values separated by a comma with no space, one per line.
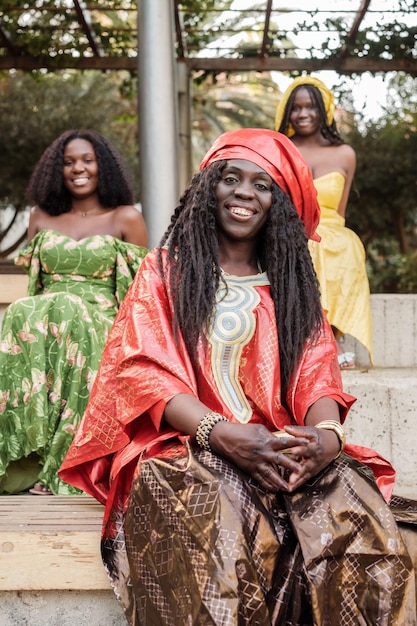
(306,115)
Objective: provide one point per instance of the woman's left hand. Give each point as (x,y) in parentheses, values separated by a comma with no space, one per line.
(321,450)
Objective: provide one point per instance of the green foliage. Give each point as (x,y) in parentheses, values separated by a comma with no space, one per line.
(383,199)
(197,15)
(52,30)
(382,206)
(229,101)
(35,108)
(394,273)
(44,28)
(408,274)
(394,41)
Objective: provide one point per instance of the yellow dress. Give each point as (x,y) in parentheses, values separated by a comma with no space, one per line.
(339,261)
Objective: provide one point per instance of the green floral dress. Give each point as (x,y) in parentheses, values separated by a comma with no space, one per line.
(50,347)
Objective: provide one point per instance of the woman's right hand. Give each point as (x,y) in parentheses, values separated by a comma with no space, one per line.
(259,453)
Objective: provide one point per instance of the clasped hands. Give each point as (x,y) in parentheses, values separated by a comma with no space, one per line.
(276,463)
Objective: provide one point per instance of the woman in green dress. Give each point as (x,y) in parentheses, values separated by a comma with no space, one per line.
(86,242)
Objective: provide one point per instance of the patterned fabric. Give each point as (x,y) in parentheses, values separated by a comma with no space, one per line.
(233,327)
(339,261)
(187,537)
(125,411)
(124,414)
(240,556)
(51,345)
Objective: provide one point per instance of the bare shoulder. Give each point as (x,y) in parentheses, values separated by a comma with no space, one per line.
(348,152)
(350,160)
(128,214)
(343,157)
(127,210)
(132,224)
(36,212)
(38,219)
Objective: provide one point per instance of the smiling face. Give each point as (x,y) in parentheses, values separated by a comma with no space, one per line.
(305,115)
(80,168)
(244,197)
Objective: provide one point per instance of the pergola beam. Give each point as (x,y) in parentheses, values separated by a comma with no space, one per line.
(350,65)
(353,33)
(83,16)
(7,42)
(264,48)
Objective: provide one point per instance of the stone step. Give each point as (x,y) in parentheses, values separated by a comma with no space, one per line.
(384,418)
(60,608)
(12,286)
(394,325)
(394,318)
(51,572)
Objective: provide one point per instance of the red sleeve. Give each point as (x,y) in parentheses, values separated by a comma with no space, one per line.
(318,375)
(141,369)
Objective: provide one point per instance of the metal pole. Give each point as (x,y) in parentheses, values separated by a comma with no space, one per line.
(158,119)
(184,123)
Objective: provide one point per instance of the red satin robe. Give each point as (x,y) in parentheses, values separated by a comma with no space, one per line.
(142,368)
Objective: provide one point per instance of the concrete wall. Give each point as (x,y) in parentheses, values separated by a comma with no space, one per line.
(394,325)
(394,318)
(60,608)
(384,418)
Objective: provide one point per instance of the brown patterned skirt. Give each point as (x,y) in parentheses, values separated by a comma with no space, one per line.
(202,545)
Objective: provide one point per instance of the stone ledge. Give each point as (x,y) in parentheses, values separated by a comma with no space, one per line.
(60,608)
(51,570)
(394,320)
(394,324)
(384,418)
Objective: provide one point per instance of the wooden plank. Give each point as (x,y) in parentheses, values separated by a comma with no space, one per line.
(12,287)
(51,542)
(35,560)
(217,64)
(28,512)
(19,513)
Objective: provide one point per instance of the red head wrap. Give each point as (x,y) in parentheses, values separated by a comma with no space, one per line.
(278,157)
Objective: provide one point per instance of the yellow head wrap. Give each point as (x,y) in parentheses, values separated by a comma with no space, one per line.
(326,94)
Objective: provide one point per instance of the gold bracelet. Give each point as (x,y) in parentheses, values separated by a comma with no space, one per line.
(337,428)
(205,426)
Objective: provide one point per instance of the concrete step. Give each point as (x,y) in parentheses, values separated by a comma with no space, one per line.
(394,318)
(51,572)
(385,418)
(60,608)
(394,325)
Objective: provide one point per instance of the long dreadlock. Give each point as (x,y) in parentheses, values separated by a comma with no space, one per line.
(329,131)
(192,243)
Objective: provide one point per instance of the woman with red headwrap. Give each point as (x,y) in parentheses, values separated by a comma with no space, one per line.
(214,429)
(306,115)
